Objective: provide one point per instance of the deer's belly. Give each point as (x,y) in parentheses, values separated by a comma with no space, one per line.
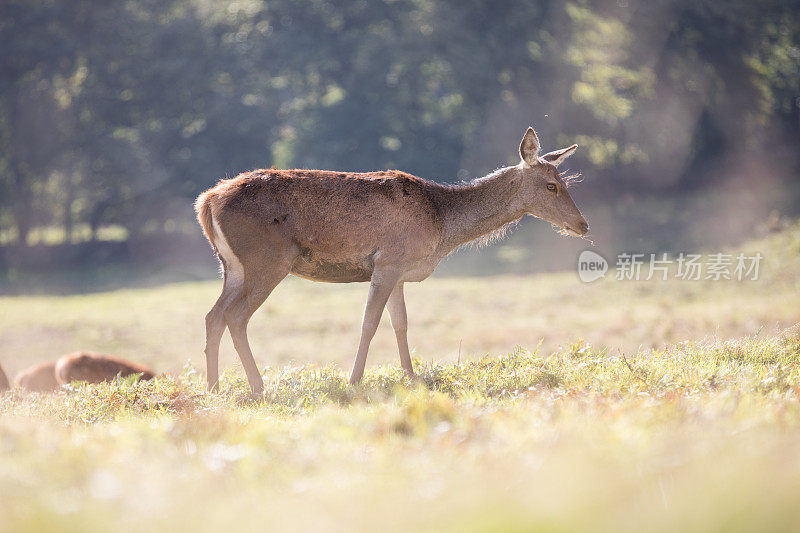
(332,272)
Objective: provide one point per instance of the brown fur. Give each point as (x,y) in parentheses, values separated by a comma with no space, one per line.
(263,205)
(78,366)
(203,209)
(385,227)
(38,378)
(4,384)
(96,368)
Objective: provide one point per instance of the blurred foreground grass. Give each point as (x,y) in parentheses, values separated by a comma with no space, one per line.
(592,434)
(695,437)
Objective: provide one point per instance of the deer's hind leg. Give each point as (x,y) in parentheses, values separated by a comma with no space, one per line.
(263,272)
(233,282)
(215,322)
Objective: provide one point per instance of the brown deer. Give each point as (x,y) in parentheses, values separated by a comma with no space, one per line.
(383,227)
(38,378)
(4,384)
(96,368)
(78,366)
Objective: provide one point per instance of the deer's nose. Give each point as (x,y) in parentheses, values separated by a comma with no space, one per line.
(584,228)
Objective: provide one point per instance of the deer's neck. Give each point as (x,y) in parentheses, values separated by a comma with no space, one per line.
(477,208)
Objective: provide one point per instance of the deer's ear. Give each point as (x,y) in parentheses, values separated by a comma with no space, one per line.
(529,147)
(558,156)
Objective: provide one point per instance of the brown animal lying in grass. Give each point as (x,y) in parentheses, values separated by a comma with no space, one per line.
(78,366)
(38,378)
(3,380)
(94,368)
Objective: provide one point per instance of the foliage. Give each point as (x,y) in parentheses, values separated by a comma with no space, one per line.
(120,112)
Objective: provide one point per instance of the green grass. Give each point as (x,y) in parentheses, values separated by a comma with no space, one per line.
(697,436)
(697,429)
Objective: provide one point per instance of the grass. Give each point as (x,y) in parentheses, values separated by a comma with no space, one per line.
(697,436)
(450,317)
(697,429)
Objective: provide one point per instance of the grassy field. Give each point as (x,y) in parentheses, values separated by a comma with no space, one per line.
(305,322)
(632,405)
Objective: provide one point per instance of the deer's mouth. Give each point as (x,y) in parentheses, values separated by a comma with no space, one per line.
(569,230)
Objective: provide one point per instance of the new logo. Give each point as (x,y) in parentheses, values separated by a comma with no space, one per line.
(591,266)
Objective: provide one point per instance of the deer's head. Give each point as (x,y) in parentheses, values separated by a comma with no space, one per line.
(545,190)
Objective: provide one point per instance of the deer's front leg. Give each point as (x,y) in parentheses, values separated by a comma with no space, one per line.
(397,313)
(380,288)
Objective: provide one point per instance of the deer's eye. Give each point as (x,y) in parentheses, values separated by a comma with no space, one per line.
(552,187)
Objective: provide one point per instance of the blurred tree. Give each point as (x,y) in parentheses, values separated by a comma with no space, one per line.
(120,112)
(36,50)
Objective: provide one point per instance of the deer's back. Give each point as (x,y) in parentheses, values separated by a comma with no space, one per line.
(339,221)
(95,368)
(4,384)
(38,378)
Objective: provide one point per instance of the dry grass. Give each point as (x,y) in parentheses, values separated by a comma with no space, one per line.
(696,437)
(595,434)
(314,322)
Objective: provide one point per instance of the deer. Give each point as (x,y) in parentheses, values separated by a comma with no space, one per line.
(78,366)
(38,378)
(96,368)
(4,384)
(386,228)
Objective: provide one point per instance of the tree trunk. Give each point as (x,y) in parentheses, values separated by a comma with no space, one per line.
(23,215)
(69,192)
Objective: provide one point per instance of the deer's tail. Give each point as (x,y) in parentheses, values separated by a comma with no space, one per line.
(203,209)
